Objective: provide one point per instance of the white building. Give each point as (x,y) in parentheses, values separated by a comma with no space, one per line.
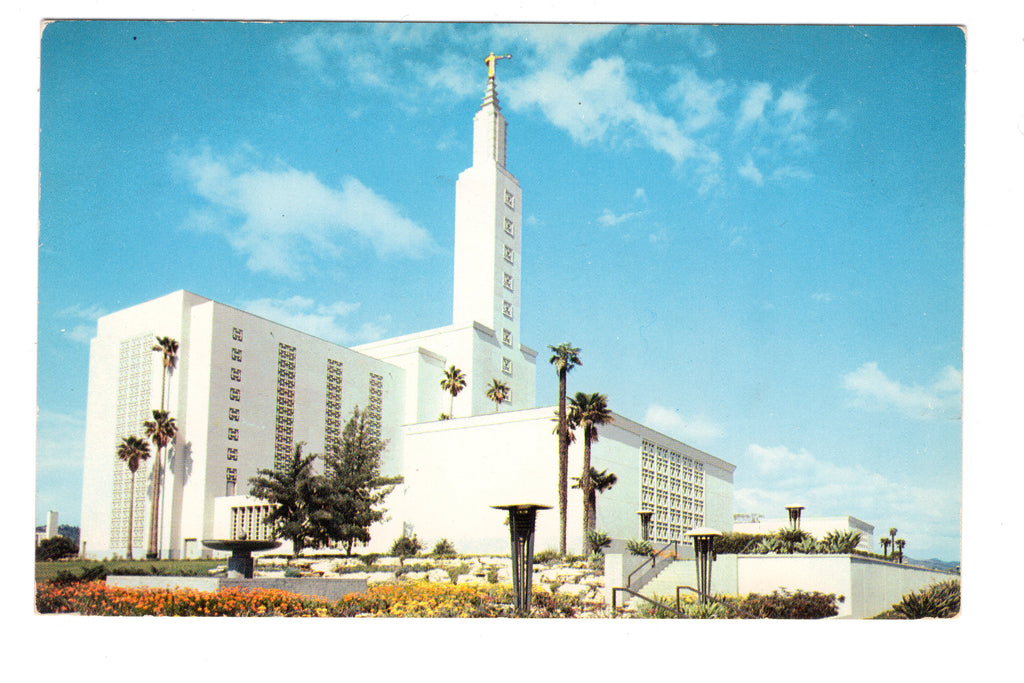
(246,389)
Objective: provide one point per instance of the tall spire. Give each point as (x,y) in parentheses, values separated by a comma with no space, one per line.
(489,124)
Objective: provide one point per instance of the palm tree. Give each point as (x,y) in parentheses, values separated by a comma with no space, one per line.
(453,382)
(564,357)
(599,483)
(497,391)
(892,535)
(160,430)
(132,450)
(169,348)
(885,541)
(589,411)
(899,544)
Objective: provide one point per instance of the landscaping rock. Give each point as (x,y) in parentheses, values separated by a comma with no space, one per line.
(414,576)
(374,578)
(574,589)
(323,566)
(438,576)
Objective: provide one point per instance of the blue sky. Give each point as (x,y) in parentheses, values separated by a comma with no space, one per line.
(754,234)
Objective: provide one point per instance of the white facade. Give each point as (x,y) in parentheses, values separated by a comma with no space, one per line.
(246,389)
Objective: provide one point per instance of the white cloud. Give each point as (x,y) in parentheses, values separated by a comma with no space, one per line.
(608,219)
(82,333)
(698,99)
(774,477)
(323,320)
(670,422)
(750,171)
(600,103)
(791,172)
(823,297)
(873,389)
(754,101)
(284,219)
(640,194)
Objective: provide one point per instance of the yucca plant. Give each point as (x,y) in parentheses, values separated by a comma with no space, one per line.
(710,610)
(790,537)
(597,540)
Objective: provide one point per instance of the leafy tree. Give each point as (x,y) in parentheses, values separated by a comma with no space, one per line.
(160,430)
(454,381)
(132,451)
(355,485)
(406,546)
(600,482)
(588,411)
(298,498)
(497,391)
(444,549)
(55,548)
(564,357)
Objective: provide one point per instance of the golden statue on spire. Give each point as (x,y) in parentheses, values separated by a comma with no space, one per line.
(491,59)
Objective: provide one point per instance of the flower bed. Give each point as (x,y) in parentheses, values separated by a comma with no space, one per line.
(413,599)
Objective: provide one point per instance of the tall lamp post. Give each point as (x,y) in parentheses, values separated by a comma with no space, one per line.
(522,521)
(645,524)
(703,546)
(794,515)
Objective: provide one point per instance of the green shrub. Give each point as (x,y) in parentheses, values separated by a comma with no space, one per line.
(710,610)
(808,546)
(597,540)
(649,611)
(492,575)
(770,545)
(292,573)
(639,547)
(736,543)
(546,556)
(455,572)
(444,548)
(55,548)
(369,558)
(570,558)
(938,601)
(783,604)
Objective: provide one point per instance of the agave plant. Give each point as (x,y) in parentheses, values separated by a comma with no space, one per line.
(769,546)
(840,541)
(808,546)
(938,601)
(597,540)
(639,547)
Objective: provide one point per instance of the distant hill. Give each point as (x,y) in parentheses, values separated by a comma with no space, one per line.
(934,563)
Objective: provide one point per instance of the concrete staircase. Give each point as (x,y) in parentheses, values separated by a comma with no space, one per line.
(665,582)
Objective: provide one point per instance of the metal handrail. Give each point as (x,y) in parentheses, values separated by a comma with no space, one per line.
(643,597)
(654,559)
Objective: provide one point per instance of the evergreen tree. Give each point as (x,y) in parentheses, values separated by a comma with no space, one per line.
(299,498)
(355,486)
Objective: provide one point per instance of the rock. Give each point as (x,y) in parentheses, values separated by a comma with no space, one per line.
(323,566)
(414,576)
(562,575)
(373,578)
(472,578)
(438,576)
(596,581)
(575,589)
(220,568)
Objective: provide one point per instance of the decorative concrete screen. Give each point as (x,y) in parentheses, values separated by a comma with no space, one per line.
(672,487)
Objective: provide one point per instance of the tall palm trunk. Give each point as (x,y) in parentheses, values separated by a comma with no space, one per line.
(131,505)
(586,484)
(563,461)
(153,548)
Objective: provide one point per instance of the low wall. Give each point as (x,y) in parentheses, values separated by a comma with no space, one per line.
(328,589)
(869,586)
